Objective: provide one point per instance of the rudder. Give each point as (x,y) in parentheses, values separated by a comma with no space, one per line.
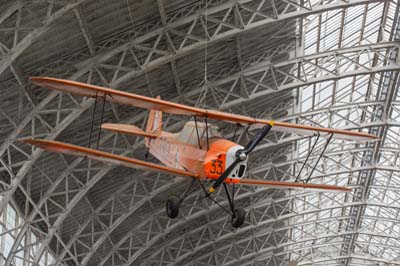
(154,122)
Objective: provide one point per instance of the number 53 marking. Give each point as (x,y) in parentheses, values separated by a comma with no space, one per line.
(216,167)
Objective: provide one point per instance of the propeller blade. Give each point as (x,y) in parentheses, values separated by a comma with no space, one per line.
(249,148)
(260,135)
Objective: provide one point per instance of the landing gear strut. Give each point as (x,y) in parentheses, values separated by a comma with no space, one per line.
(238,214)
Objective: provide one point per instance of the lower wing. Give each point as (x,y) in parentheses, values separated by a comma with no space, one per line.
(65,148)
(61,147)
(289,185)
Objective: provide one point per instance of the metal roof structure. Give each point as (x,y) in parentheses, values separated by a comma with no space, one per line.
(332,63)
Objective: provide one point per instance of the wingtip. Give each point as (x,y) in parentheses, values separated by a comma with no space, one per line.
(27,140)
(33,78)
(41,78)
(40,143)
(106,125)
(34,142)
(36,79)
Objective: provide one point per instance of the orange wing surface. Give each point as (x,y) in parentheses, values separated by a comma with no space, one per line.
(65,148)
(174,108)
(287,185)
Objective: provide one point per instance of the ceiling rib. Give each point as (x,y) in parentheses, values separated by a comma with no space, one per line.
(254,75)
(255,95)
(23,44)
(93,63)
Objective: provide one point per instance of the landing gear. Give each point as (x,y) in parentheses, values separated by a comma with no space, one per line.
(238,217)
(172,207)
(238,214)
(173,203)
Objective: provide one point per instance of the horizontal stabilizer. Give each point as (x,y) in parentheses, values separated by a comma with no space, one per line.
(65,148)
(127,129)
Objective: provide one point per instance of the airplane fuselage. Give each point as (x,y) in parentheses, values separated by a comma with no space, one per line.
(207,162)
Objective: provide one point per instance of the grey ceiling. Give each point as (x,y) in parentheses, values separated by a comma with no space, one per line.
(327,63)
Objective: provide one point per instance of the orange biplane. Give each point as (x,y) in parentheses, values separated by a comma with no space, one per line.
(198,151)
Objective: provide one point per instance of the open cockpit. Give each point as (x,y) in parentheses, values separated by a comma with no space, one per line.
(190,135)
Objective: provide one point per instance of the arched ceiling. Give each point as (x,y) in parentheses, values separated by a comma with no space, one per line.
(327,63)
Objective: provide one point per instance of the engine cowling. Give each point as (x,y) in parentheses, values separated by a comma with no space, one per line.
(220,156)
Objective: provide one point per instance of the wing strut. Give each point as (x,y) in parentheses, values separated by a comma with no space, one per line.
(101,119)
(230,199)
(308,156)
(197,132)
(316,163)
(207,134)
(91,124)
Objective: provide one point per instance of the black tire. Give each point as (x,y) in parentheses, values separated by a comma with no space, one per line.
(172,207)
(238,217)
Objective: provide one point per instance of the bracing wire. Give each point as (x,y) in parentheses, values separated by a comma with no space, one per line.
(202,98)
(140,52)
(205,46)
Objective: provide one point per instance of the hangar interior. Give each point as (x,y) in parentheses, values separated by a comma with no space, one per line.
(329,63)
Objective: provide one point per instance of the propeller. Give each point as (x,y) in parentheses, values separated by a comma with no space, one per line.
(241,155)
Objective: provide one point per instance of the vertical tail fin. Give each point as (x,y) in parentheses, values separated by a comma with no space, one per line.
(154,122)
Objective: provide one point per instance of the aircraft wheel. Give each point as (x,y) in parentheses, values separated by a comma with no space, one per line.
(172,207)
(238,218)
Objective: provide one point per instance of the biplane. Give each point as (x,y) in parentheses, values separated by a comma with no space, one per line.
(198,151)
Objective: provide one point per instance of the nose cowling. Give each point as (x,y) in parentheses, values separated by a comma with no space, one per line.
(220,156)
(238,160)
(232,154)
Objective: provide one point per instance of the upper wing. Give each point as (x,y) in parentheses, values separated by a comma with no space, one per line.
(288,185)
(174,108)
(61,147)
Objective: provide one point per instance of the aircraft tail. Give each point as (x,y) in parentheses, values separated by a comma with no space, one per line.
(154,122)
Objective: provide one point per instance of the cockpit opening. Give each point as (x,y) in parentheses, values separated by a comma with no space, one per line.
(189,135)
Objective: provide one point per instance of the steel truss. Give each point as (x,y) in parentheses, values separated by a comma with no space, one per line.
(87,70)
(15,13)
(163,254)
(248,74)
(317,68)
(55,225)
